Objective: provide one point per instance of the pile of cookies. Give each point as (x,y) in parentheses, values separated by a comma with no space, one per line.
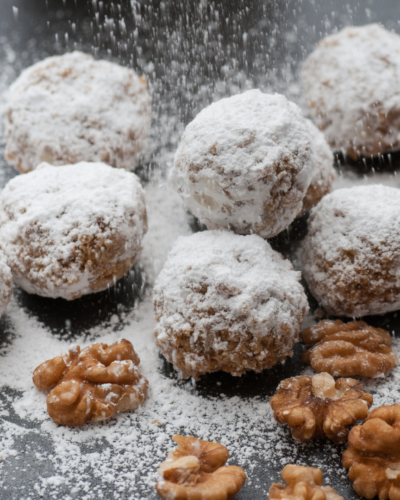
(247,166)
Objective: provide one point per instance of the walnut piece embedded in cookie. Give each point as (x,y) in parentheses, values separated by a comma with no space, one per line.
(72,108)
(92,384)
(349,349)
(72,230)
(373,454)
(196,470)
(319,406)
(302,483)
(227,302)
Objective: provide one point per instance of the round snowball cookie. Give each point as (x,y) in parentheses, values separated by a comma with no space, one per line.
(324,173)
(244,163)
(71,108)
(6,284)
(72,230)
(351,254)
(227,302)
(352,88)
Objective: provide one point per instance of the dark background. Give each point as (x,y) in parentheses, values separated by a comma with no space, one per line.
(185,48)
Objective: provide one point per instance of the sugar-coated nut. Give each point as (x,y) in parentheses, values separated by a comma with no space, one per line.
(72,108)
(244,164)
(303,483)
(92,384)
(319,406)
(227,302)
(349,349)
(358,112)
(373,454)
(72,230)
(195,471)
(351,252)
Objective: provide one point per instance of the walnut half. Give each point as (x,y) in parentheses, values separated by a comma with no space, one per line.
(319,406)
(348,349)
(92,384)
(373,454)
(303,483)
(195,471)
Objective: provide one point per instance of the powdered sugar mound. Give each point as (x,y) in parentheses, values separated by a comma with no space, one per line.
(227,302)
(71,108)
(324,173)
(72,230)
(352,85)
(352,250)
(244,163)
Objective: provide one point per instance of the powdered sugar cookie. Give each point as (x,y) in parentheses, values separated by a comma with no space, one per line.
(71,108)
(351,253)
(324,173)
(6,284)
(352,87)
(244,163)
(227,302)
(72,230)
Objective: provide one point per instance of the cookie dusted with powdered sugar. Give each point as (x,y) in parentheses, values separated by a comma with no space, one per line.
(324,173)
(227,302)
(244,163)
(352,88)
(351,253)
(72,230)
(71,108)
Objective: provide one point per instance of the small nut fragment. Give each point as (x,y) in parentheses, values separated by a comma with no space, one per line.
(195,471)
(373,454)
(303,483)
(319,406)
(349,349)
(92,384)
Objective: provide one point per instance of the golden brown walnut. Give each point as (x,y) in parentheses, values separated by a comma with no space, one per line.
(92,384)
(303,483)
(195,471)
(373,454)
(348,349)
(319,406)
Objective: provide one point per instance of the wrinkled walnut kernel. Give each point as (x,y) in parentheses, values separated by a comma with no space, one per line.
(373,454)
(319,406)
(303,483)
(349,349)
(92,384)
(195,471)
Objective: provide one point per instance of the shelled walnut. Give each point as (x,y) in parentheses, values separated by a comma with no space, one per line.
(92,384)
(348,349)
(303,483)
(373,454)
(319,406)
(195,471)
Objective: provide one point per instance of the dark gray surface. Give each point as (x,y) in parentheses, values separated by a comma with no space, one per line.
(165,32)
